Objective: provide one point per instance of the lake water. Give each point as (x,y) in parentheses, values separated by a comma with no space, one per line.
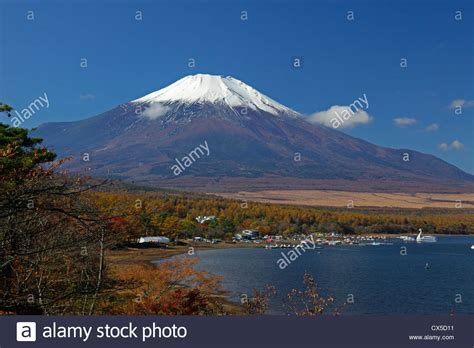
(380,279)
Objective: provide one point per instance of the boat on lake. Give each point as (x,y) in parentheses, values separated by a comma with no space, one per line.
(427,239)
(407,238)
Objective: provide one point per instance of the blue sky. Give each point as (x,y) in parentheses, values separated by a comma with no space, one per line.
(342,59)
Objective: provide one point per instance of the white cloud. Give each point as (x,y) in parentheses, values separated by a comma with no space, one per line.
(461,103)
(404,121)
(155,110)
(455,145)
(443,146)
(432,127)
(333,116)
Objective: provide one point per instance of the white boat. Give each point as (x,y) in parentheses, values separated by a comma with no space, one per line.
(427,239)
(155,239)
(472,247)
(407,238)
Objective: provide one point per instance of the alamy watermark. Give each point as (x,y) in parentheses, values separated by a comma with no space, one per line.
(345,114)
(33,107)
(191,157)
(294,253)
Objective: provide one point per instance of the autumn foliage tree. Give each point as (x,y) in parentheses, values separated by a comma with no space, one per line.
(51,240)
(308,302)
(172,288)
(162,215)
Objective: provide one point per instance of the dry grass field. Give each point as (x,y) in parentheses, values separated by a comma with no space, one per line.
(360,199)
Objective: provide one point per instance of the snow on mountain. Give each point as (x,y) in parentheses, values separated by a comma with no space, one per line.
(251,150)
(203,88)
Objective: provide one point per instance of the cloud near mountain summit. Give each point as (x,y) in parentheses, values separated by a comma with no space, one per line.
(325,117)
(155,110)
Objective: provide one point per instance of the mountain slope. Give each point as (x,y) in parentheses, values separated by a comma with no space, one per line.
(253,141)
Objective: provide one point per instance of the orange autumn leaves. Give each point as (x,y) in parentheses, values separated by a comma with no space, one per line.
(173,215)
(172,288)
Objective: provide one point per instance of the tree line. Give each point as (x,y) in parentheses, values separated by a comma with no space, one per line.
(174,215)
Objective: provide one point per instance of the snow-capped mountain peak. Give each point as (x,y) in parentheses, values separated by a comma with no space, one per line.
(203,88)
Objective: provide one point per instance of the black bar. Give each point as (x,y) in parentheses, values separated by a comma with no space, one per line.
(256,331)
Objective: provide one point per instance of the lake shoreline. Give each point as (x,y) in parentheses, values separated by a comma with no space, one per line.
(417,278)
(133,256)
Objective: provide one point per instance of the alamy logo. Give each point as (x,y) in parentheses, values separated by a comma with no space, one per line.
(192,157)
(26,331)
(26,113)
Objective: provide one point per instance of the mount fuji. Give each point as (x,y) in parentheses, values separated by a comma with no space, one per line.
(254,142)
